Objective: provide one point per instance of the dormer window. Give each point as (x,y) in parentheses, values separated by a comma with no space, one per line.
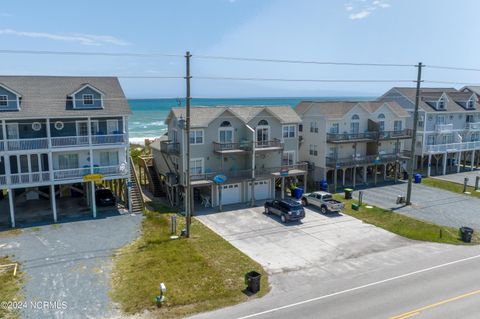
(441,104)
(87,99)
(3,100)
(471,103)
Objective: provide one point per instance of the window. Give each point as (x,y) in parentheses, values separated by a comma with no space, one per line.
(263,122)
(441,104)
(87,99)
(288,158)
(3,100)
(109,158)
(196,166)
(300,127)
(112,126)
(288,131)
(225,124)
(441,119)
(381,122)
(335,128)
(471,103)
(196,137)
(313,127)
(225,134)
(94,127)
(469,118)
(354,124)
(431,140)
(313,150)
(397,126)
(68,161)
(333,152)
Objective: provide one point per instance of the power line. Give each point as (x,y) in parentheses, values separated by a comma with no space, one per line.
(126,54)
(441,67)
(452,82)
(298,80)
(213,57)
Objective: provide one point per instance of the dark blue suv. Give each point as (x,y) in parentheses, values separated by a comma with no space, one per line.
(287,209)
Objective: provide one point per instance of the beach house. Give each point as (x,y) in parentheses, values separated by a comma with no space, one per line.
(351,142)
(59,137)
(254,147)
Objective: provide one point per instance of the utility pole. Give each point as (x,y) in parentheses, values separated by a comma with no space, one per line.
(188,193)
(414,135)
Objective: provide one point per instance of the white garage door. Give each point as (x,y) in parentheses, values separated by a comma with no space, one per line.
(231,194)
(262,190)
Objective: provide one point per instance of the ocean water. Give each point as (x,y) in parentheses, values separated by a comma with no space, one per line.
(148,118)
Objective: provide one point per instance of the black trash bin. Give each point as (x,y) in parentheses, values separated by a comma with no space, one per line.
(348,193)
(405,175)
(466,234)
(252,280)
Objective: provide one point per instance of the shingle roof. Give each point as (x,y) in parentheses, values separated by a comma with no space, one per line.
(338,109)
(433,94)
(201,116)
(474,89)
(46,96)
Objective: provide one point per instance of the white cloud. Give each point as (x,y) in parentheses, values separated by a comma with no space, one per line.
(84,39)
(365,8)
(359,15)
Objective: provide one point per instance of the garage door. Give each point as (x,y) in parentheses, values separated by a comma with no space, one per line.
(231,194)
(262,190)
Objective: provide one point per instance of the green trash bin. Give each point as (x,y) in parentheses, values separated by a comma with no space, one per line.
(355,206)
(348,193)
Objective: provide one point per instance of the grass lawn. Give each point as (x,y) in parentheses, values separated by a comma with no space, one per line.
(201,273)
(9,288)
(449,186)
(403,225)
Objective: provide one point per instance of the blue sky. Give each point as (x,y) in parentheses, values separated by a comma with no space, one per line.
(438,32)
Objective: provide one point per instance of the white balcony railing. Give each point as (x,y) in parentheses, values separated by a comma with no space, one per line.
(27,144)
(30,178)
(69,141)
(443,128)
(74,173)
(472,126)
(452,147)
(2,146)
(109,170)
(3,180)
(108,139)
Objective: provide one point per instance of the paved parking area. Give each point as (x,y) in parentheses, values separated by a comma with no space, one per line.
(71,263)
(428,203)
(459,177)
(319,240)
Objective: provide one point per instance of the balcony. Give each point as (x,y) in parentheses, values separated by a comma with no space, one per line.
(443,128)
(26,144)
(169,147)
(351,137)
(267,172)
(2,146)
(230,148)
(72,141)
(335,162)
(30,178)
(3,180)
(108,139)
(452,147)
(272,145)
(469,126)
(394,135)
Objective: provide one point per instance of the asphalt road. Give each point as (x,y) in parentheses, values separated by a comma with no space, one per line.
(439,286)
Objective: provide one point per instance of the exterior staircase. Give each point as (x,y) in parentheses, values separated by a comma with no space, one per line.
(157,187)
(137,197)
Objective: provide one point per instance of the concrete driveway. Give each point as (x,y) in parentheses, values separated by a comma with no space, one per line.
(71,263)
(316,241)
(428,203)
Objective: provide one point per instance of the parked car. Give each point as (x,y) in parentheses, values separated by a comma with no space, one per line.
(287,209)
(324,201)
(105,197)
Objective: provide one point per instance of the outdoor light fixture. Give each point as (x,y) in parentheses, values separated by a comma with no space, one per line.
(161,298)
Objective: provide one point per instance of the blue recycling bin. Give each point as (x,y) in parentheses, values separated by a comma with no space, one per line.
(323,185)
(298,192)
(418,178)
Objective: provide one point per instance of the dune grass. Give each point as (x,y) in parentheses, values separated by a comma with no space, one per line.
(10,289)
(405,226)
(201,273)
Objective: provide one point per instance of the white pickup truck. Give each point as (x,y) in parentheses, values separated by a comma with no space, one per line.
(322,200)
